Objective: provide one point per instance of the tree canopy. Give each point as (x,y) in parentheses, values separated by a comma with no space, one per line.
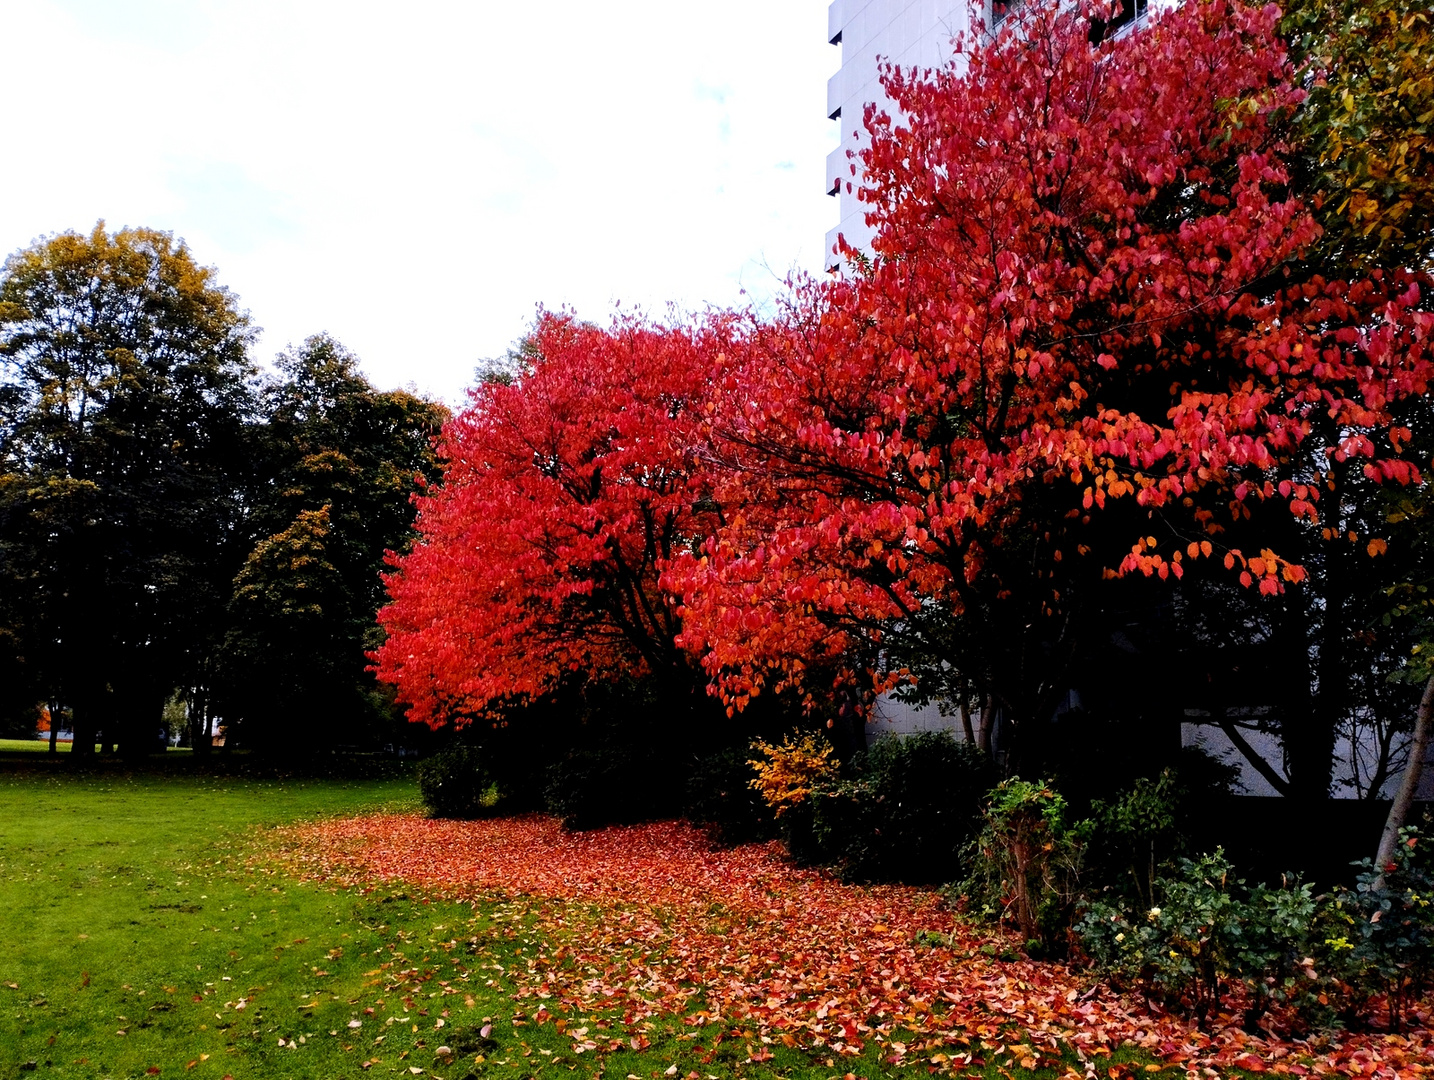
(568,489)
(124,393)
(335,464)
(172,522)
(1111,361)
(1080,351)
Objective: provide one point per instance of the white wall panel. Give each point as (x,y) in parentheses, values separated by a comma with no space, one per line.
(908,33)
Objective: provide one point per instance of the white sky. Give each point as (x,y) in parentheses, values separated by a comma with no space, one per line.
(414,178)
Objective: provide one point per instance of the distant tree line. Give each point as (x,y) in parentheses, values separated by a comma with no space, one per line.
(177,524)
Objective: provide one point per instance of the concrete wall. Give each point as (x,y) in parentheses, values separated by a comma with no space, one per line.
(892,717)
(1349,760)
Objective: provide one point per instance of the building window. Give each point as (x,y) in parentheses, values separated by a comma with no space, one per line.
(1130,11)
(1000,9)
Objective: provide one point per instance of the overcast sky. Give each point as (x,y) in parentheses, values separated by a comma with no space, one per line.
(414,178)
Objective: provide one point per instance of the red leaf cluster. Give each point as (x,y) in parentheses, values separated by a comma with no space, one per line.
(1085,299)
(565,491)
(650,921)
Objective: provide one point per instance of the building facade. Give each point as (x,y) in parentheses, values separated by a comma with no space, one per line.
(906,33)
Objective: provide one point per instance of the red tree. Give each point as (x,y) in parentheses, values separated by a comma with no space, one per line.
(1084,347)
(566,493)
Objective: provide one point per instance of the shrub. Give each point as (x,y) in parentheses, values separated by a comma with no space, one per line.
(455,783)
(788,773)
(1026,862)
(1380,933)
(1204,930)
(614,784)
(1134,837)
(907,812)
(787,776)
(1279,962)
(720,798)
(1209,930)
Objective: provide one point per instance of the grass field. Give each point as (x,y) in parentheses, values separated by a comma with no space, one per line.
(135,938)
(145,934)
(63,746)
(32,746)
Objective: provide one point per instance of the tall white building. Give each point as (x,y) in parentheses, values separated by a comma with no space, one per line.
(907,33)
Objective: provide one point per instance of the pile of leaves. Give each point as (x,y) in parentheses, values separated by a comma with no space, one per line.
(649,921)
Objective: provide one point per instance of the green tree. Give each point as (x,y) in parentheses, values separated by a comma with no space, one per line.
(124,389)
(338,461)
(292,616)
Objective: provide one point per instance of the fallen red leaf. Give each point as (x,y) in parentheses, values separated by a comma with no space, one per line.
(665,925)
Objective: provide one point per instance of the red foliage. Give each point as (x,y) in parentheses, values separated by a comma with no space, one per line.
(566,492)
(1086,297)
(1086,348)
(649,921)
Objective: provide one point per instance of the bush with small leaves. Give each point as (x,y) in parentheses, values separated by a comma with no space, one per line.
(788,772)
(455,783)
(1380,933)
(907,810)
(1134,837)
(1207,931)
(1026,862)
(1180,950)
(721,799)
(614,783)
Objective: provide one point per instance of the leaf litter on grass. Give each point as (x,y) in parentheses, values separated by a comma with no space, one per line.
(650,921)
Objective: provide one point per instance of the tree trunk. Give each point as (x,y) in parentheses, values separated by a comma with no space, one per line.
(1025,909)
(1307,721)
(82,721)
(55,728)
(988,723)
(1404,799)
(199,740)
(966,722)
(1328,706)
(137,709)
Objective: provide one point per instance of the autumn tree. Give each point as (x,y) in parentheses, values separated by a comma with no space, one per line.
(1409,607)
(124,390)
(568,488)
(1358,158)
(1085,353)
(1363,135)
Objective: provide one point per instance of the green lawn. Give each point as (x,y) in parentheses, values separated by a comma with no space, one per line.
(130,921)
(42,746)
(32,746)
(143,937)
